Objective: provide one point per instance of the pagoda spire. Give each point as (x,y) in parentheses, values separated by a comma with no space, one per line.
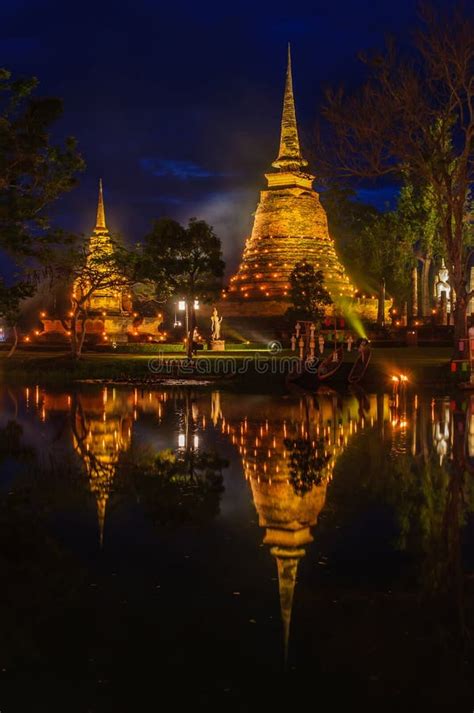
(100,225)
(287,563)
(289,156)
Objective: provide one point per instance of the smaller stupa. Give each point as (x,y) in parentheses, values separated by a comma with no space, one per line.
(110,316)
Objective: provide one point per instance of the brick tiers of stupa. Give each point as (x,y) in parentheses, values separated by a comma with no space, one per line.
(290,225)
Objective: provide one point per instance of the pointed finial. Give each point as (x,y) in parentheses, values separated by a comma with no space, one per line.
(101,507)
(100,223)
(287,563)
(289,156)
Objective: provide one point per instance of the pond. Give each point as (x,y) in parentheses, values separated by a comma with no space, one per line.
(232,550)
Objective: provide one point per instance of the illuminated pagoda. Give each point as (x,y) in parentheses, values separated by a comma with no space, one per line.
(286,511)
(290,225)
(110,316)
(113,301)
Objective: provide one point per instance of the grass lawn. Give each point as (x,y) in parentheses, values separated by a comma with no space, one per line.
(423,364)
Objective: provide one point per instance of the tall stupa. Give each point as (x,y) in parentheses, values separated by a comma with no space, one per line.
(109,300)
(290,225)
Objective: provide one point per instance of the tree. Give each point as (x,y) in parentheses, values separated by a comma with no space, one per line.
(10,306)
(307,292)
(414,118)
(107,267)
(34,173)
(184,262)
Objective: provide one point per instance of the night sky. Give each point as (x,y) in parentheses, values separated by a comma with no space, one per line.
(177,104)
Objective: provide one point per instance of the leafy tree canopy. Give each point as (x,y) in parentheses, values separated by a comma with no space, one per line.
(307,293)
(183,261)
(34,172)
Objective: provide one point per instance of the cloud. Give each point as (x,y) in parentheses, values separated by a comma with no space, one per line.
(230,213)
(183,170)
(159,199)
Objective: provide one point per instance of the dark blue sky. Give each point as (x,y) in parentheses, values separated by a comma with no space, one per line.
(177,104)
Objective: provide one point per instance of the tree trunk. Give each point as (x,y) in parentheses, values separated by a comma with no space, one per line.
(381,304)
(15,342)
(82,337)
(460,324)
(74,344)
(425,288)
(414,292)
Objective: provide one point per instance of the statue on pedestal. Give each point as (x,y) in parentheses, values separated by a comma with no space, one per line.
(215,325)
(442,286)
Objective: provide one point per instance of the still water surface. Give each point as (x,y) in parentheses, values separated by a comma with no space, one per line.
(235,551)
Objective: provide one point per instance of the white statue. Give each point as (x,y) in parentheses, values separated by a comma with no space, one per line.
(215,325)
(442,285)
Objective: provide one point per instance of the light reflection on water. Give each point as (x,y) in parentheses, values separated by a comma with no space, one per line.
(290,457)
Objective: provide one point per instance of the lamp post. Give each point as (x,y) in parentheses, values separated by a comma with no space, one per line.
(189,307)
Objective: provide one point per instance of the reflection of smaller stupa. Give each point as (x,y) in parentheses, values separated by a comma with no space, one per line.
(101,431)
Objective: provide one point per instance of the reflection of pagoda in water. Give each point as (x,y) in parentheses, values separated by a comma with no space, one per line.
(263,439)
(101,429)
(102,425)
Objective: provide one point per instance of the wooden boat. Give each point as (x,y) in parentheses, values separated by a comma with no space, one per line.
(360,366)
(331,364)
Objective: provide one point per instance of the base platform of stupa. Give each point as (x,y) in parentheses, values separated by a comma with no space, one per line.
(111,328)
(364,307)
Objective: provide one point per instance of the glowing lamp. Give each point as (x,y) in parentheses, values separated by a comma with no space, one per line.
(181,440)
(181,305)
(196,441)
(42,314)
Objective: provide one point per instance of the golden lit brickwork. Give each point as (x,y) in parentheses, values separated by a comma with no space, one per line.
(286,514)
(290,225)
(100,241)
